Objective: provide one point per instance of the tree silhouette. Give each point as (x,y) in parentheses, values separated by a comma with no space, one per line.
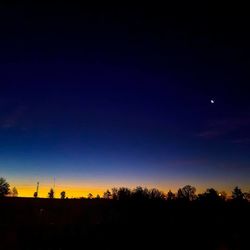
(14,192)
(4,187)
(107,195)
(156,194)
(211,195)
(170,195)
(237,194)
(63,195)
(140,193)
(114,193)
(186,193)
(90,196)
(223,195)
(51,193)
(124,193)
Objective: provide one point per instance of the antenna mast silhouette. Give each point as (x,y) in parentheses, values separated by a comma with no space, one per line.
(54,185)
(37,188)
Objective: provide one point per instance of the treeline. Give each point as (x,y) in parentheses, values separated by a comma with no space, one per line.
(186,193)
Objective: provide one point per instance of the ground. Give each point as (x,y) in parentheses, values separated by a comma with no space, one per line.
(28,223)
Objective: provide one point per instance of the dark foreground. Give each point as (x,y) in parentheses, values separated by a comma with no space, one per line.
(86,224)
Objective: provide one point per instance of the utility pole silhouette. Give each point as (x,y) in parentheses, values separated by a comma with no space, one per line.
(54,185)
(37,188)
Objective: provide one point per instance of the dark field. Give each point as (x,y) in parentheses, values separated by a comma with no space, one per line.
(27,223)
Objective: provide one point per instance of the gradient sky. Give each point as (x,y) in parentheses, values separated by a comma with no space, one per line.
(100,97)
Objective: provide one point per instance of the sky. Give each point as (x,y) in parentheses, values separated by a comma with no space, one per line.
(104,96)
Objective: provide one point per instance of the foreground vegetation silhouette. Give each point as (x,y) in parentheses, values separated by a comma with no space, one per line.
(125,218)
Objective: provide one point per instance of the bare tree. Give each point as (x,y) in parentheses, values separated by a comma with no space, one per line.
(4,187)
(187,193)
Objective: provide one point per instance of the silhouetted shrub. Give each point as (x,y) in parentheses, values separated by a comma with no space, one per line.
(90,196)
(51,193)
(63,195)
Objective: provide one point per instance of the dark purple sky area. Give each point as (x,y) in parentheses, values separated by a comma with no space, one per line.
(122,96)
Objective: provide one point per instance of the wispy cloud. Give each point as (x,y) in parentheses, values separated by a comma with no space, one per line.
(211,133)
(242,140)
(225,127)
(193,161)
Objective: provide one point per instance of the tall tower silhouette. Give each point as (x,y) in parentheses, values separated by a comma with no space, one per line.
(54,185)
(37,188)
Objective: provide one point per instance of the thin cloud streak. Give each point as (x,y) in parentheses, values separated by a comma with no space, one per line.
(241,141)
(225,127)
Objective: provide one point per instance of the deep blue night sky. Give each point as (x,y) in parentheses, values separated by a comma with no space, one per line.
(117,96)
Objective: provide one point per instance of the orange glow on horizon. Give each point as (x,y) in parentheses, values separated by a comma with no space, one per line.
(81,187)
(70,192)
(77,190)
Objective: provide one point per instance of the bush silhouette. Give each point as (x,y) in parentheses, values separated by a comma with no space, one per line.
(63,195)
(90,196)
(51,193)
